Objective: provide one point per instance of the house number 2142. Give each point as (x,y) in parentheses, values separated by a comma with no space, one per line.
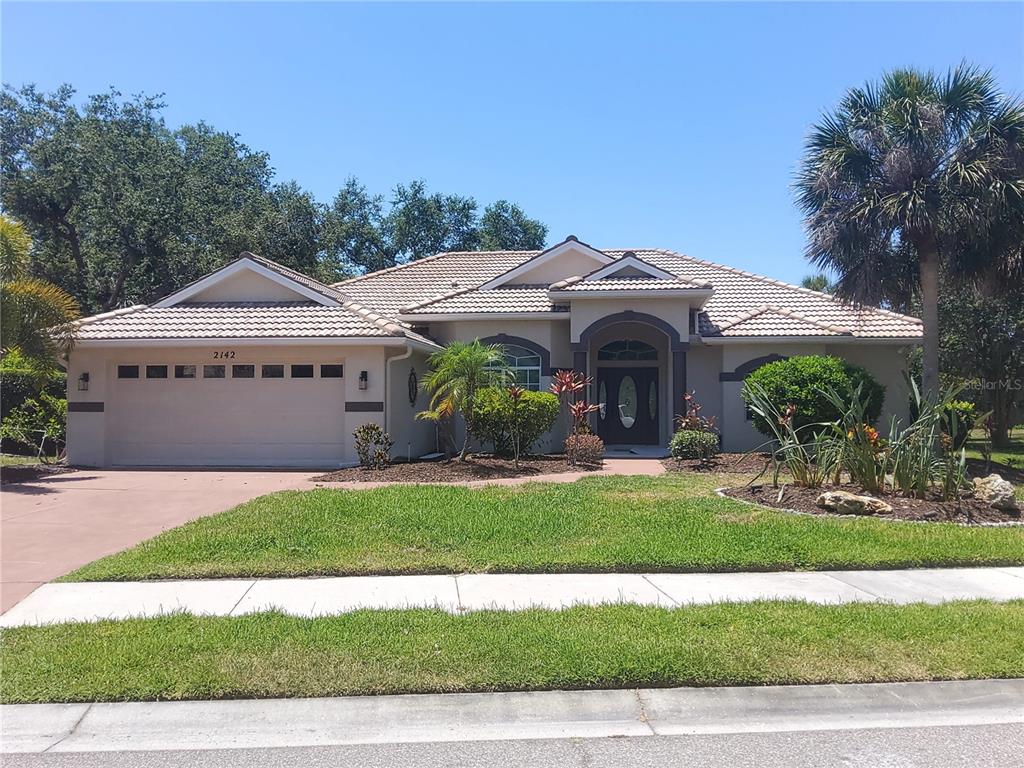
(227,355)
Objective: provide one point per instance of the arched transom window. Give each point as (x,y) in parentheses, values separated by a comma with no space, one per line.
(525,366)
(627,349)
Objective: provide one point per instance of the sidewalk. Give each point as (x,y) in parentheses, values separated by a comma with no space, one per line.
(36,728)
(92,601)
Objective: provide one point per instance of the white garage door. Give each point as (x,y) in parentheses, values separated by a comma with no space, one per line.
(230,414)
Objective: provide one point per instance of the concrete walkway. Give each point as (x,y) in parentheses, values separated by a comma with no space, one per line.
(278,723)
(93,601)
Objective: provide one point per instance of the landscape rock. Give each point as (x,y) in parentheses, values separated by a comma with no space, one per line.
(996,492)
(846,503)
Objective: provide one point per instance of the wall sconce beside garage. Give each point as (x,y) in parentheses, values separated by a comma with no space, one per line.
(83,382)
(364,380)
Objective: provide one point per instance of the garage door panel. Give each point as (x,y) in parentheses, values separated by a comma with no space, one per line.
(227,422)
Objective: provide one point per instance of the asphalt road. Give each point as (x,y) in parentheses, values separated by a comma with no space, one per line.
(991,746)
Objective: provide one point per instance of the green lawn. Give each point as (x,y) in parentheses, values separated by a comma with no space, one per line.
(674,522)
(419,651)
(13,460)
(1008,461)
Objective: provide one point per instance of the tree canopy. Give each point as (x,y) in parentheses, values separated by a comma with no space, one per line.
(912,175)
(122,208)
(983,347)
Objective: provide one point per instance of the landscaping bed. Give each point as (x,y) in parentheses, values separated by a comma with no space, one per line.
(477,467)
(740,463)
(269,655)
(933,510)
(26,473)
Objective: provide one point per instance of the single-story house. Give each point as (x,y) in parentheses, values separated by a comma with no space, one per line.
(258,365)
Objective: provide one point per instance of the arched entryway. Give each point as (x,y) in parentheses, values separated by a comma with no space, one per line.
(637,363)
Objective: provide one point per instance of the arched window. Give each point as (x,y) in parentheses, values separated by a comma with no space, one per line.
(525,365)
(627,349)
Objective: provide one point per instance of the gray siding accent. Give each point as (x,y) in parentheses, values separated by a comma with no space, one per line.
(742,371)
(365,406)
(85,406)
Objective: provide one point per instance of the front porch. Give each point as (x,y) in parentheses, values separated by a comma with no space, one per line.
(637,366)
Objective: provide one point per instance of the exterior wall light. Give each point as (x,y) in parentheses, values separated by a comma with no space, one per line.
(83,382)
(364,380)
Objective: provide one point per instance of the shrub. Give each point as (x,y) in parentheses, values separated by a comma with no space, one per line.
(810,453)
(40,423)
(373,446)
(803,383)
(20,380)
(568,386)
(694,444)
(584,449)
(914,460)
(958,418)
(691,419)
(496,417)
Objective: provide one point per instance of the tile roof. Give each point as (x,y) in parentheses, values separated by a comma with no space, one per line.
(250,319)
(445,283)
(389,290)
(769,320)
(519,298)
(234,320)
(738,292)
(578,284)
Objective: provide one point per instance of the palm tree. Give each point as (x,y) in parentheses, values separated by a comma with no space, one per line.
(36,317)
(913,175)
(818,282)
(457,373)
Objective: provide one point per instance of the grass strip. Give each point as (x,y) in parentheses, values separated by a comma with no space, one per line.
(610,524)
(419,651)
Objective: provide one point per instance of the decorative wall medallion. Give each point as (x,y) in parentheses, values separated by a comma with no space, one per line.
(414,386)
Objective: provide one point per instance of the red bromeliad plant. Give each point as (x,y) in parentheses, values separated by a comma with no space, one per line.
(691,418)
(569,386)
(579,412)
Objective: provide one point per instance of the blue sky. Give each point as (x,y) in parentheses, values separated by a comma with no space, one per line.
(665,125)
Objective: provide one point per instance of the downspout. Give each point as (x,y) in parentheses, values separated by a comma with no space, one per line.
(387,379)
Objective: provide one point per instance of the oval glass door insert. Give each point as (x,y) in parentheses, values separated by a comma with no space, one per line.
(652,401)
(627,402)
(602,400)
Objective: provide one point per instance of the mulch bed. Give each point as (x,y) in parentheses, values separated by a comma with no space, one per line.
(31,472)
(967,510)
(724,462)
(479,467)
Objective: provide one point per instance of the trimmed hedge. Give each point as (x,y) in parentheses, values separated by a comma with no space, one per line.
(802,381)
(492,417)
(694,444)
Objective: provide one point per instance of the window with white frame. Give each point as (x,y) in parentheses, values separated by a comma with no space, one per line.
(525,366)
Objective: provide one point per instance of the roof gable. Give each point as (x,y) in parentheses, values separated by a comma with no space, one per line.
(253,278)
(541,268)
(629,265)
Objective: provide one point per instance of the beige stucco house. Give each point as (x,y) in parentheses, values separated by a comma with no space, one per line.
(258,365)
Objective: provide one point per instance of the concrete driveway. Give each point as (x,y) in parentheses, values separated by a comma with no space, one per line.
(57,523)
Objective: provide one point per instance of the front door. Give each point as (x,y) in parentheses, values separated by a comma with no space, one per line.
(629,406)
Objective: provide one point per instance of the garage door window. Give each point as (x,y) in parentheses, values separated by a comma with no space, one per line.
(127,371)
(272,372)
(331,371)
(302,371)
(213,372)
(156,371)
(184,371)
(243,371)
